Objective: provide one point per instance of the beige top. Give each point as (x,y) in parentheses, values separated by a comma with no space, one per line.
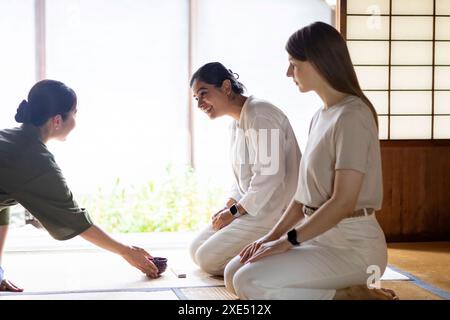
(343,136)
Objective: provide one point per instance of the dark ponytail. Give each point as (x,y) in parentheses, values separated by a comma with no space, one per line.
(215,73)
(46,99)
(22,116)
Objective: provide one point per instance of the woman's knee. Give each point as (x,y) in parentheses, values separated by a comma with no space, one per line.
(201,238)
(209,261)
(193,247)
(244,282)
(230,270)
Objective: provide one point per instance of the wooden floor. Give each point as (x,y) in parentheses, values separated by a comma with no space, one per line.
(86,273)
(428,266)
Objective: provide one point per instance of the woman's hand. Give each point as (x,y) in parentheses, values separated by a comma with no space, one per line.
(222,219)
(214,216)
(269,248)
(7,285)
(140,259)
(251,248)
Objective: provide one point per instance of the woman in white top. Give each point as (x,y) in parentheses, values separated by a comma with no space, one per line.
(328,244)
(265,160)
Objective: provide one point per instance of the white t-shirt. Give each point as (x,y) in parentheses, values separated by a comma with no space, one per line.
(265,159)
(343,136)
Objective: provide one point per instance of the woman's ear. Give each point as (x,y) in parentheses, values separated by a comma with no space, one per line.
(226,87)
(57,121)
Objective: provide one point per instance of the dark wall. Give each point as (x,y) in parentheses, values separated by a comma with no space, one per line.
(416,178)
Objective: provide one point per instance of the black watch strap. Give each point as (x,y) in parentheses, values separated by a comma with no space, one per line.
(292,237)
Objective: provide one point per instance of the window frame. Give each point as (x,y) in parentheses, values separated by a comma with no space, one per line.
(341,25)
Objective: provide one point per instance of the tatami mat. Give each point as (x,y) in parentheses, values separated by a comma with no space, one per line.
(87,271)
(212,293)
(109,295)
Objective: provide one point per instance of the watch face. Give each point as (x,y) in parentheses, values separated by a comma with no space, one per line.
(233,209)
(292,237)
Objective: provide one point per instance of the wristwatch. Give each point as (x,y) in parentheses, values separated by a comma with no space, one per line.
(292,237)
(234,211)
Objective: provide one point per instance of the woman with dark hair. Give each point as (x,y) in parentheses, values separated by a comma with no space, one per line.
(265,160)
(30,176)
(328,244)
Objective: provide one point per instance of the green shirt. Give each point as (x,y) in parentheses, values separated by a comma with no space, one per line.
(30,176)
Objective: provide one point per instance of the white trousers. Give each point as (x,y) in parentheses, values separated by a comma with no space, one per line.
(339,258)
(211,250)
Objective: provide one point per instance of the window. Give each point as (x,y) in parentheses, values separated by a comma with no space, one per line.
(17,64)
(249,37)
(128,64)
(17,56)
(401,50)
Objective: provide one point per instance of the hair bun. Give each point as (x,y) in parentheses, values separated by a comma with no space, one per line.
(234,74)
(23,115)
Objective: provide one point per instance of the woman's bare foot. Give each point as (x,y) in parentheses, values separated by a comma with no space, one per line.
(7,285)
(364,293)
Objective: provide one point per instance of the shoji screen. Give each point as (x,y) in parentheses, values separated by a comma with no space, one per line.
(401,53)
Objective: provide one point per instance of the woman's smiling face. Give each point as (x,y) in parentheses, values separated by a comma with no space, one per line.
(210,99)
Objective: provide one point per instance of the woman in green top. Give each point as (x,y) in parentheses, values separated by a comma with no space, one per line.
(30,176)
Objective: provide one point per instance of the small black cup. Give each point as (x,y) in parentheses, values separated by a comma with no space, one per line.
(160,263)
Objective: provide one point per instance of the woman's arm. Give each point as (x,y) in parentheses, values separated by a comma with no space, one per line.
(230,202)
(291,217)
(347,185)
(135,256)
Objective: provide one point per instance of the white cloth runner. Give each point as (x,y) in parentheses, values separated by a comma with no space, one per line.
(390,274)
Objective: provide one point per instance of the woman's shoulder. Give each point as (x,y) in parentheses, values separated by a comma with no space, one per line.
(11,139)
(353,115)
(9,132)
(23,150)
(354,108)
(260,108)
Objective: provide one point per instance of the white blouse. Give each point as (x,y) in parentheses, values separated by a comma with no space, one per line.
(265,159)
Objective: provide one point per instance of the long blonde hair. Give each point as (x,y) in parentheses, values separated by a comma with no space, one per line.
(324,47)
